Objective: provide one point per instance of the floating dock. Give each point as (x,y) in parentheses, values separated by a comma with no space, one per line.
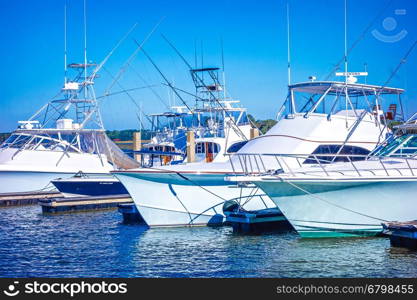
(87,203)
(26,198)
(257,221)
(130,214)
(402,234)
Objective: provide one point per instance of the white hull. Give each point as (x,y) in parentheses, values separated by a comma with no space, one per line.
(30,181)
(31,170)
(354,208)
(164,205)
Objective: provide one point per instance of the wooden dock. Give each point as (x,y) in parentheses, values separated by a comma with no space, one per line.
(26,198)
(402,234)
(78,204)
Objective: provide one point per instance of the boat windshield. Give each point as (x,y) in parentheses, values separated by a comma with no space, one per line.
(339,98)
(404,145)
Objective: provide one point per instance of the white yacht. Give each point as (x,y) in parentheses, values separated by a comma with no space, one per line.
(348,199)
(317,118)
(64,137)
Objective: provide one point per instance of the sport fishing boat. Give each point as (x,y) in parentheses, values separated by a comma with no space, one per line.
(319,117)
(64,137)
(167,134)
(348,199)
(168,138)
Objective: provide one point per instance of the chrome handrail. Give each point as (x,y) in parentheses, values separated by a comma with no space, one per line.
(322,160)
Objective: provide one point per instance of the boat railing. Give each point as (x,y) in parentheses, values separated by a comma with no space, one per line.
(256,164)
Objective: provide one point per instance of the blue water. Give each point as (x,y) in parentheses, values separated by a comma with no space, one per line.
(97,244)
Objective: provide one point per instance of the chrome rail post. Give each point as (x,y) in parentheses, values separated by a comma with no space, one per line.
(288,167)
(320,164)
(353,165)
(408,164)
(262,162)
(380,161)
(232,165)
(241,164)
(298,161)
(250,163)
(279,163)
(256,162)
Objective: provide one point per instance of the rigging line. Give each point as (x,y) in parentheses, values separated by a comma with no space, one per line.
(130,59)
(98,68)
(326,201)
(128,94)
(182,204)
(237,130)
(152,89)
(127,90)
(210,208)
(188,179)
(360,38)
(185,92)
(402,61)
(252,194)
(166,80)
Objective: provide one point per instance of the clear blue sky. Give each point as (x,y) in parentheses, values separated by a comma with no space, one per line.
(254,35)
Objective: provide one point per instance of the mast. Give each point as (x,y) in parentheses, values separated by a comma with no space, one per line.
(85,48)
(65,43)
(346,60)
(288,44)
(223,72)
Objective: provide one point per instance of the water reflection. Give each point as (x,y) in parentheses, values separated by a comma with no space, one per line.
(98,244)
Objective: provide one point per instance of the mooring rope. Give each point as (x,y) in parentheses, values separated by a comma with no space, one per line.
(328,202)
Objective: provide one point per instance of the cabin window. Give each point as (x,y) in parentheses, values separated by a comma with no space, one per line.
(211,147)
(236,147)
(334,149)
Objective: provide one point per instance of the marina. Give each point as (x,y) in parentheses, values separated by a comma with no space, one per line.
(184,153)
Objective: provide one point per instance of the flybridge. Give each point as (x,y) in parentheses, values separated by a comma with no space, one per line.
(335,87)
(333,97)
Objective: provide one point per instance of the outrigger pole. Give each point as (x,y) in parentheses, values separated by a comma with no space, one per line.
(336,67)
(166,80)
(236,128)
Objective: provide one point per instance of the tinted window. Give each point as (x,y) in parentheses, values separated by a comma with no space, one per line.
(236,147)
(333,149)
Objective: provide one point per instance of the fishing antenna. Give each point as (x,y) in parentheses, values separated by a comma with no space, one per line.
(236,128)
(223,71)
(85,45)
(65,42)
(288,44)
(346,54)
